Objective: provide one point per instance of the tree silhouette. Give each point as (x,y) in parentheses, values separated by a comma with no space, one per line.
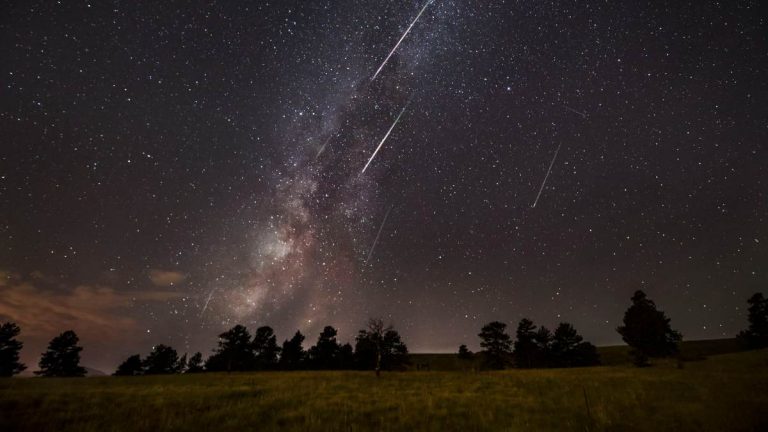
(756,335)
(132,366)
(325,354)
(647,331)
(162,360)
(234,353)
(380,347)
(62,359)
(526,345)
(543,340)
(568,348)
(293,355)
(181,366)
(265,348)
(9,350)
(465,353)
(195,363)
(496,344)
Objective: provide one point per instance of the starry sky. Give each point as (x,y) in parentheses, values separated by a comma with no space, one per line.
(170,169)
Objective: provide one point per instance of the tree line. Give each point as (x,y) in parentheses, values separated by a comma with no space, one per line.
(378,347)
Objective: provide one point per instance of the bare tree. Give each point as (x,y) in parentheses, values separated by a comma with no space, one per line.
(376,332)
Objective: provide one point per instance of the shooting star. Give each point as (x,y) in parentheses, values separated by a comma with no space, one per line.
(546,177)
(582,114)
(385,137)
(401,39)
(381,228)
(322,149)
(205,307)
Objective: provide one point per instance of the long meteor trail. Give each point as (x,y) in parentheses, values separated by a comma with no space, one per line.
(401,39)
(381,228)
(385,137)
(546,177)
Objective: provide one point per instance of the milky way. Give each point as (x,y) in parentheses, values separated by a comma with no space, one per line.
(172,170)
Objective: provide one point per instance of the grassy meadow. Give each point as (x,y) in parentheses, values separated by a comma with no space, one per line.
(722,392)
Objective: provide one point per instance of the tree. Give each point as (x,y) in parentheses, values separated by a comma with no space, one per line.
(465,353)
(265,348)
(756,335)
(325,354)
(648,331)
(10,348)
(526,346)
(234,353)
(380,347)
(161,361)
(62,359)
(195,363)
(543,340)
(496,344)
(568,349)
(132,366)
(293,355)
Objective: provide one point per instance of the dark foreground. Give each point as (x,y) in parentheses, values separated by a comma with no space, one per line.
(724,392)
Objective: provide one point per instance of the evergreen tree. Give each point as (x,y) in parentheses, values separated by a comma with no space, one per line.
(325,354)
(234,353)
(526,347)
(647,330)
(62,359)
(465,353)
(162,360)
(265,348)
(496,344)
(568,348)
(543,341)
(132,366)
(756,335)
(195,363)
(10,348)
(293,355)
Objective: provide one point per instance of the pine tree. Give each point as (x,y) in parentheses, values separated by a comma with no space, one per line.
(62,359)
(496,344)
(756,336)
(132,366)
(195,363)
(10,348)
(648,331)
(292,355)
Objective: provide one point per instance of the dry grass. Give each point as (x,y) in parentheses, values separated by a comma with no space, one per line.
(726,392)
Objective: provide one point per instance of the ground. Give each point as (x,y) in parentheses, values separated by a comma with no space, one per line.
(722,392)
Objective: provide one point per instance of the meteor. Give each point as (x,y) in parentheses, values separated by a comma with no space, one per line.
(381,228)
(205,307)
(546,177)
(322,149)
(401,39)
(385,137)
(582,114)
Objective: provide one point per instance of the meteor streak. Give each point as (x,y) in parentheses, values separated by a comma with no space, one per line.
(207,301)
(385,137)
(582,114)
(381,228)
(546,177)
(401,39)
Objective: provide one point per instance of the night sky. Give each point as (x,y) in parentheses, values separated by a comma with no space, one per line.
(171,169)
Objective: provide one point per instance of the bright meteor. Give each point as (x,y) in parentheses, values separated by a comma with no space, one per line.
(385,137)
(401,39)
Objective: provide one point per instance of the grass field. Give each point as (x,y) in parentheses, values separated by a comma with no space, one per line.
(724,392)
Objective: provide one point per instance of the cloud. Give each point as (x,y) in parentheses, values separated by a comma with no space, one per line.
(166,278)
(93,311)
